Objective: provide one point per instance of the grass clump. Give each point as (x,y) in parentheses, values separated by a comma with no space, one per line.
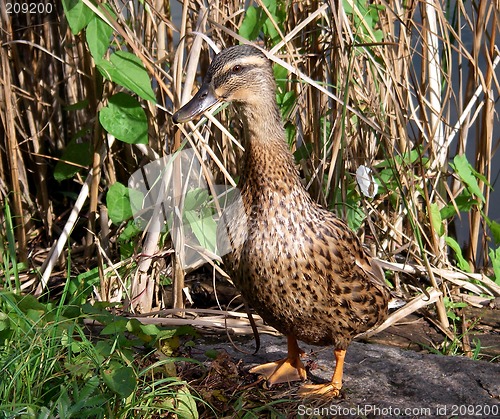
(51,365)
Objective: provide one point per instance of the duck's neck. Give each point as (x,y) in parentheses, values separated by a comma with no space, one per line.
(268,162)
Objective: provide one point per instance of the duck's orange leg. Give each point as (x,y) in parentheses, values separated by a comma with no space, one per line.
(331,389)
(285,370)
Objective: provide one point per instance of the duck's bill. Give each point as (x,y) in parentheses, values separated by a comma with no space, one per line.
(204,99)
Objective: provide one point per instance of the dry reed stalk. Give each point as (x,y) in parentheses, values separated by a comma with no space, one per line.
(436,138)
(178,240)
(411,307)
(483,148)
(12,147)
(214,320)
(484,153)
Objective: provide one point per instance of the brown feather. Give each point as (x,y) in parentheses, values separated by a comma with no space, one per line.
(301,268)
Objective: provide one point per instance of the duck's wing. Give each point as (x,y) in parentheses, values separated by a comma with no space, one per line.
(351,249)
(372,269)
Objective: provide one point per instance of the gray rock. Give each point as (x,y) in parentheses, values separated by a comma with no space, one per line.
(382,381)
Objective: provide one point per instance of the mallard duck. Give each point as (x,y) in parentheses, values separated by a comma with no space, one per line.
(301,268)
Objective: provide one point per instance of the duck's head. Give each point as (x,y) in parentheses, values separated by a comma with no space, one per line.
(238,74)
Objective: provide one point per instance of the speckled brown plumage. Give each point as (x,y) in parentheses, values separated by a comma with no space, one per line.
(301,268)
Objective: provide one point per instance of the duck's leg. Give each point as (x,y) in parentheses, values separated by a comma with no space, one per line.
(331,389)
(285,370)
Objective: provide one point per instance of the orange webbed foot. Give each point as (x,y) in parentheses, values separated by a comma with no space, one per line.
(324,391)
(331,389)
(285,370)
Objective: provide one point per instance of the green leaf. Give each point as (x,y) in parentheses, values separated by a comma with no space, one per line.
(291,133)
(204,229)
(70,343)
(378,35)
(355,217)
(354,213)
(271,31)
(125,119)
(495,229)
(449,303)
(211,353)
(406,158)
(286,102)
(78,153)
(98,311)
(195,199)
(278,14)
(198,216)
(136,200)
(90,277)
(437,222)
(495,262)
(365,18)
(127,70)
(98,36)
(89,388)
(461,262)
(104,348)
(464,203)
(252,23)
(148,329)
(281,76)
(115,328)
(63,404)
(127,240)
(121,380)
(185,404)
(129,232)
(77,14)
(82,286)
(4,322)
(84,403)
(304,152)
(465,171)
(118,203)
(29,302)
(80,368)
(347,7)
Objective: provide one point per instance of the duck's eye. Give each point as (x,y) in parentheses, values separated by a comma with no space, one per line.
(237,69)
